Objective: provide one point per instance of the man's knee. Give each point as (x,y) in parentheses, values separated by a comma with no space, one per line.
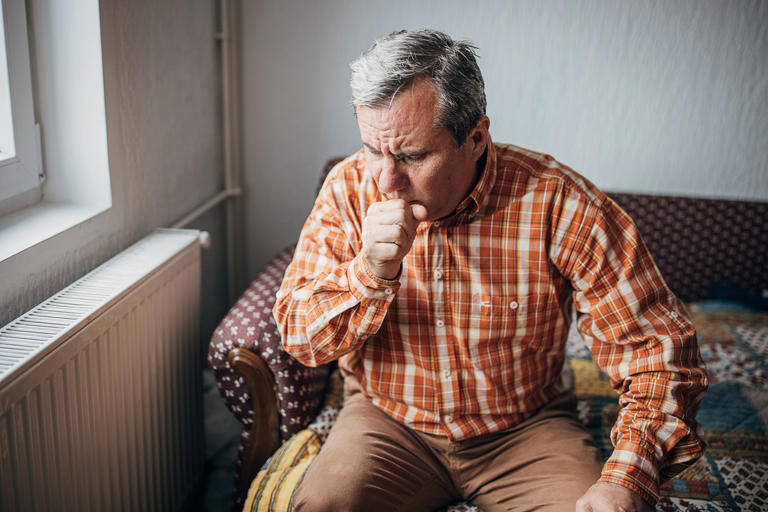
(373,484)
(335,490)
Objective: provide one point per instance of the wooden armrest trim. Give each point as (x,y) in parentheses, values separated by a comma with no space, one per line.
(265,429)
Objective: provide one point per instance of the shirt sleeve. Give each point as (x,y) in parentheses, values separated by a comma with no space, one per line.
(640,335)
(330,302)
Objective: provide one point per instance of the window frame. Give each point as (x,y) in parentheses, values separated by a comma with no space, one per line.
(67,71)
(21,174)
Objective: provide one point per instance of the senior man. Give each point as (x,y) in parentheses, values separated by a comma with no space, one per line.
(442,270)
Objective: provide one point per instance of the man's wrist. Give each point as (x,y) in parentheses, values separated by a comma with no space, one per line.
(385,273)
(646,496)
(633,465)
(607,496)
(365,283)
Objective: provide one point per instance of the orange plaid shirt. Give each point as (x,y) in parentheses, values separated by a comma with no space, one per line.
(470,338)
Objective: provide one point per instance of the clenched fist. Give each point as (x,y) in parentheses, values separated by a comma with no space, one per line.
(389,228)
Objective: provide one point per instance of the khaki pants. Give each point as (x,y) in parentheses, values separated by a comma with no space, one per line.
(371,462)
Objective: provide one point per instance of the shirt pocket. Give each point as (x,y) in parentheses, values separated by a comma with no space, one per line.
(509,319)
(489,317)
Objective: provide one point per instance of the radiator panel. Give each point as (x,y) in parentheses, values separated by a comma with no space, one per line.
(110,418)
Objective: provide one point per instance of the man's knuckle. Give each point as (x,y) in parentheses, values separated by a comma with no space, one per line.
(391,251)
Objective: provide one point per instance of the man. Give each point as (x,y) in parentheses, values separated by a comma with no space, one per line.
(442,270)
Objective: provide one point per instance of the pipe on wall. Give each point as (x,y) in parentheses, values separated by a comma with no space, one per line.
(228,37)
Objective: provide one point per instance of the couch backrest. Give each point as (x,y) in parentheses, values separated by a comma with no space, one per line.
(704,245)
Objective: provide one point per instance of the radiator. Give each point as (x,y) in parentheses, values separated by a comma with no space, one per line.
(100,387)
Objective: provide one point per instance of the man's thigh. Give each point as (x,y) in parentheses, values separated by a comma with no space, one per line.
(370,463)
(545,464)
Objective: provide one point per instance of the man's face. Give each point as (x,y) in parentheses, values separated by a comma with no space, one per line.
(412,160)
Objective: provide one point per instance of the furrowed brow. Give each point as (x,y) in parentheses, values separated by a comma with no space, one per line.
(397,156)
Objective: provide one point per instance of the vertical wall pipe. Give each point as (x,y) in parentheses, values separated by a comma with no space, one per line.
(229,37)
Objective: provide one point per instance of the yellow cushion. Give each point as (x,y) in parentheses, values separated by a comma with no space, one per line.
(273,487)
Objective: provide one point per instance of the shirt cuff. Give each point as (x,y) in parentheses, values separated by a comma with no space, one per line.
(365,285)
(634,467)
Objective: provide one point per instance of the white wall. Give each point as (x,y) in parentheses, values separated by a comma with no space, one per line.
(667,97)
(161,85)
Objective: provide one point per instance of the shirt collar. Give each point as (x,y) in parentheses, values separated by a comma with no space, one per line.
(469,207)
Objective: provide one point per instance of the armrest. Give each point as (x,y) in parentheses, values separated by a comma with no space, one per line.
(265,429)
(271,394)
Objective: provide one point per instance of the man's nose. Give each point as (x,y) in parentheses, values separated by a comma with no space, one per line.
(391,178)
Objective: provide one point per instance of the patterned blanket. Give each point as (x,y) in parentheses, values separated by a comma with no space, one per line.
(732,476)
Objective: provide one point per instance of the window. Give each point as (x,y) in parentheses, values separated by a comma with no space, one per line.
(20,162)
(52,87)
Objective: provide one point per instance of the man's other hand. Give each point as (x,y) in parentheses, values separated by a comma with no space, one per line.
(608,497)
(389,228)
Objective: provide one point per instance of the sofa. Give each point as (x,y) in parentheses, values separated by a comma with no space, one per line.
(712,253)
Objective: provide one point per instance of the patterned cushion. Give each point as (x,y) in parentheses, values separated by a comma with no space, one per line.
(733,474)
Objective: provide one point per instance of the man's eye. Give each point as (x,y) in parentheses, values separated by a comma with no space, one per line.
(413,158)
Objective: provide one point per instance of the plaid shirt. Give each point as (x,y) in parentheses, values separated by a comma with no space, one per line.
(470,338)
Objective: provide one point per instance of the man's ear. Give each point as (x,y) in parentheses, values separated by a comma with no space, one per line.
(478,137)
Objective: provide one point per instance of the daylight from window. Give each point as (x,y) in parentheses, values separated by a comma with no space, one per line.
(6,124)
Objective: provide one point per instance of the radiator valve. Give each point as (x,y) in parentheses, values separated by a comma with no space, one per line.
(205,239)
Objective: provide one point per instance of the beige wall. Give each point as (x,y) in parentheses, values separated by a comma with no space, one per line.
(658,96)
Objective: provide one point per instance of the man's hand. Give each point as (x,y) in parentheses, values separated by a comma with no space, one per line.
(608,497)
(389,228)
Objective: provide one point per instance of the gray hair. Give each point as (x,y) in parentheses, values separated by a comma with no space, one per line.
(394,62)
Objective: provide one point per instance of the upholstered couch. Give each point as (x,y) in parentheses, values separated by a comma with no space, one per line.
(706,249)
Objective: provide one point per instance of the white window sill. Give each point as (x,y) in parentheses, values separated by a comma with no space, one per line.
(26,228)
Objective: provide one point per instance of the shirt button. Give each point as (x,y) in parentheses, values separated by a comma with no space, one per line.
(438,274)
(448,418)
(437,223)
(388,291)
(673,314)
(440,323)
(446,374)
(513,305)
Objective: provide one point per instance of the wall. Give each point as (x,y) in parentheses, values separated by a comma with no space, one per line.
(162,92)
(655,96)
